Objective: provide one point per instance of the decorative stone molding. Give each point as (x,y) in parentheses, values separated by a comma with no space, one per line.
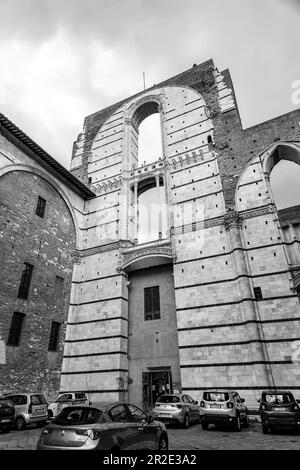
(250,213)
(132,254)
(136,104)
(99,249)
(187,159)
(108,185)
(145,171)
(232,219)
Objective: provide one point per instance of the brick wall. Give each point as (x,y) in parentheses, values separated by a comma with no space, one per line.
(48,244)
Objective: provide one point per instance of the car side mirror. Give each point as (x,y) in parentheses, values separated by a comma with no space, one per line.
(196,402)
(149,419)
(243,400)
(258,400)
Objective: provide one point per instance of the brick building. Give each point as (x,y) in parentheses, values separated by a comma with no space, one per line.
(210,297)
(38,233)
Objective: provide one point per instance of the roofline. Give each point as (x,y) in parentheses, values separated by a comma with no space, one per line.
(17,137)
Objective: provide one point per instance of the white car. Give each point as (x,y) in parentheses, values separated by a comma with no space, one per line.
(223,407)
(67,399)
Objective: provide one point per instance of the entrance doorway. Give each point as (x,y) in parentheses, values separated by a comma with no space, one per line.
(155,383)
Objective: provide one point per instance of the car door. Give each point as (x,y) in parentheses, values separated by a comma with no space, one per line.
(242,407)
(37,408)
(64,400)
(195,408)
(126,431)
(188,406)
(20,402)
(148,434)
(238,405)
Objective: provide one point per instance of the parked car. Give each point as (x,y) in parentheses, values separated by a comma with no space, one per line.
(278,410)
(173,408)
(104,427)
(66,399)
(7,414)
(29,408)
(223,407)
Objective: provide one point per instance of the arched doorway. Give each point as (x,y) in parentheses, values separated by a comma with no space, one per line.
(282,168)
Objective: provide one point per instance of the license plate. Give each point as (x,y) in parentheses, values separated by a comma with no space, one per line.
(279,409)
(215,406)
(5,420)
(165,415)
(39,411)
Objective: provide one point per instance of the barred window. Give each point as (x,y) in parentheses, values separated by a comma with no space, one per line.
(15,329)
(53,342)
(40,207)
(25,281)
(151,303)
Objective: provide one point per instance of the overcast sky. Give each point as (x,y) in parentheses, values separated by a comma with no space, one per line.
(61,60)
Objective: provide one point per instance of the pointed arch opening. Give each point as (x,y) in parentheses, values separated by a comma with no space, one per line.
(146,135)
(283,168)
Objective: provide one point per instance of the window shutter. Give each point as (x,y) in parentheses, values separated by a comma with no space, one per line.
(15,329)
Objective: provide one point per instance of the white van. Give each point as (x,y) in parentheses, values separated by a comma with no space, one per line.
(67,399)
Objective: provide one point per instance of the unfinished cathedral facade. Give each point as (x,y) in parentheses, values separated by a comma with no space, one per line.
(185,275)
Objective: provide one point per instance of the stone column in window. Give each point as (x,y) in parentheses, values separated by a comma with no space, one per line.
(158,199)
(136,213)
(295,249)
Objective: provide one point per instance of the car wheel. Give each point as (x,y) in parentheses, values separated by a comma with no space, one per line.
(20,423)
(163,443)
(186,421)
(238,425)
(205,426)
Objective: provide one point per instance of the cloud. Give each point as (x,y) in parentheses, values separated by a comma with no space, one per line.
(62,60)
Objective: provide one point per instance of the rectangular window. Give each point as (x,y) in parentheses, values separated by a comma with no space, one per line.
(151,303)
(40,207)
(15,329)
(25,281)
(59,286)
(257,293)
(53,342)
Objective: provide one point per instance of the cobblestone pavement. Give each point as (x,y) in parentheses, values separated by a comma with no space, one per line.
(185,439)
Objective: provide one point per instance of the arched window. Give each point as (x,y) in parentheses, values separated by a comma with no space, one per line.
(150,140)
(149,209)
(285,184)
(146,136)
(152,215)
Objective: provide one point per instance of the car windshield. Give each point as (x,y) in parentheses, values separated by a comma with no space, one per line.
(4,403)
(215,396)
(278,399)
(78,416)
(168,399)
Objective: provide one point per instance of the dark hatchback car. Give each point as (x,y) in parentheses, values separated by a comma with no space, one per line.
(7,414)
(103,427)
(279,410)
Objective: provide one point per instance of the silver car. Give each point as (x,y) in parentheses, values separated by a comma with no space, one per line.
(181,409)
(29,408)
(114,427)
